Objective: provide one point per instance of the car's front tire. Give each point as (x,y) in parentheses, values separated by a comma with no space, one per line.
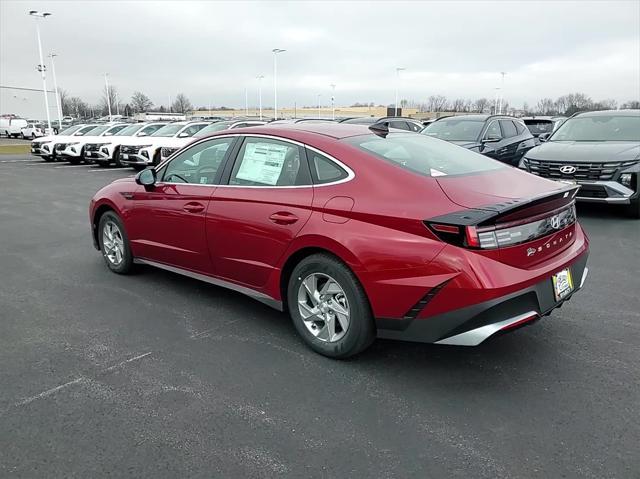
(329,307)
(114,244)
(634,208)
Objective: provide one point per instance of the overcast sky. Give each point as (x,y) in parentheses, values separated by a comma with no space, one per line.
(212,51)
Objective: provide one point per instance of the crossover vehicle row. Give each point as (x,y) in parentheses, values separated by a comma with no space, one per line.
(599,151)
(106,151)
(501,137)
(74,151)
(357,233)
(142,152)
(171,145)
(49,147)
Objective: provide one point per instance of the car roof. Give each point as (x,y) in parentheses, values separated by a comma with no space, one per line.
(298,131)
(609,113)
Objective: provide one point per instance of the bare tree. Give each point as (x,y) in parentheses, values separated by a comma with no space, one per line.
(545,106)
(437,103)
(458,104)
(181,104)
(607,104)
(77,108)
(140,102)
(480,105)
(110,96)
(630,105)
(64,101)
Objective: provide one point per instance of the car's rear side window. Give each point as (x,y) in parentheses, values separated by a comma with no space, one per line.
(424,155)
(323,170)
(508,128)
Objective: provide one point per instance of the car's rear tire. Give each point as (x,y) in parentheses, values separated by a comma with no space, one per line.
(329,307)
(114,244)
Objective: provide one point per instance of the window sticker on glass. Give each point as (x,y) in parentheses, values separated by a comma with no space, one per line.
(262,163)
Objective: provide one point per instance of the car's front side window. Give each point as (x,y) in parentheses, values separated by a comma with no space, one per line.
(268,162)
(198,165)
(493,130)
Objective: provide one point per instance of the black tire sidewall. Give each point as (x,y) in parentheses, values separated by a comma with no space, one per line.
(361,329)
(127,263)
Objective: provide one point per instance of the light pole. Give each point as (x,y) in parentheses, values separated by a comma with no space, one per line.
(106,84)
(55,87)
(42,68)
(502,90)
(398,70)
(333,101)
(495,106)
(319,95)
(275,81)
(246,102)
(259,78)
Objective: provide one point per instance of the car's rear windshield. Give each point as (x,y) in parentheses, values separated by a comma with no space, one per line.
(128,131)
(70,130)
(536,127)
(599,128)
(452,129)
(423,155)
(207,130)
(168,130)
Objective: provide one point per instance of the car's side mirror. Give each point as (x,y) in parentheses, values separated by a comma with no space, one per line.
(146,177)
(544,137)
(183,135)
(491,139)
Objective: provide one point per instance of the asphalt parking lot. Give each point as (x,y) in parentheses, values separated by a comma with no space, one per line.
(157,375)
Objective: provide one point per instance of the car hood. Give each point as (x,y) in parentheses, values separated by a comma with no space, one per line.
(592,151)
(176,142)
(491,187)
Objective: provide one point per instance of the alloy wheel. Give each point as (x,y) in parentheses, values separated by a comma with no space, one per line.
(324,308)
(113,243)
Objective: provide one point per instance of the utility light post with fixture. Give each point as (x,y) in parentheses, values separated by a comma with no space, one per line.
(108,95)
(275,52)
(333,101)
(55,87)
(319,95)
(42,67)
(259,78)
(502,91)
(398,70)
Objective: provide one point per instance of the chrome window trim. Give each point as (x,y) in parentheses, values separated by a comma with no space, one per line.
(350,173)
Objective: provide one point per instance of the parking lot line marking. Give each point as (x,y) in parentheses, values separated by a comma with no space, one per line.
(42,164)
(122,363)
(49,392)
(102,170)
(20,161)
(72,166)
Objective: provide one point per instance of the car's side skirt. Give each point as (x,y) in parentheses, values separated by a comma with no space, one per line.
(263,298)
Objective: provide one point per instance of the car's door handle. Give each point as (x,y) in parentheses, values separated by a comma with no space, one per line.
(283,218)
(193,207)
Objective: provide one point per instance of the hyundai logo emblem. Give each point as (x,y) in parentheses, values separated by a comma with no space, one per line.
(568,169)
(531,251)
(555,222)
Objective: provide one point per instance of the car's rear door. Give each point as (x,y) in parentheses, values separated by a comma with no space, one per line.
(265,202)
(168,219)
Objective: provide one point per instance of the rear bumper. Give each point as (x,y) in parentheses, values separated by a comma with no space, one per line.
(471,325)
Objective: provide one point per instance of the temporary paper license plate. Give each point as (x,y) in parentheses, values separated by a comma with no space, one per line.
(562,284)
(125,157)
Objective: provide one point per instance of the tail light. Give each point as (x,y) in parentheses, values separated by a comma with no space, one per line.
(504,234)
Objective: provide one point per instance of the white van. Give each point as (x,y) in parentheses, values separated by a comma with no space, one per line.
(11,126)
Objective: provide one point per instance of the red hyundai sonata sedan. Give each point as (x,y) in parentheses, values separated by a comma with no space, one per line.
(356,232)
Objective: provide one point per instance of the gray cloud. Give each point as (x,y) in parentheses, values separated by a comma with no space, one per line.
(212,51)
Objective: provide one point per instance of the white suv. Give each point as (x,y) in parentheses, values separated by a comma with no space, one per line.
(73,151)
(49,147)
(107,150)
(174,144)
(142,152)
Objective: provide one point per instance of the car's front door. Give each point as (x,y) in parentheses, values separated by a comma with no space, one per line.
(168,223)
(253,218)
